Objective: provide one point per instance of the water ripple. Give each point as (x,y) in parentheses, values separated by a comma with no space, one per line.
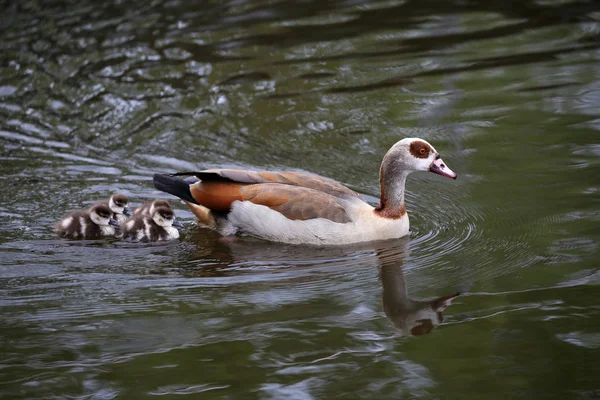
(94,98)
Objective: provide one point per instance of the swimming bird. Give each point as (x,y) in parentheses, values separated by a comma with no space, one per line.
(158,226)
(149,206)
(302,208)
(95,223)
(118,203)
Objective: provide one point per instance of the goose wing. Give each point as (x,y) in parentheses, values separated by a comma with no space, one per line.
(294,202)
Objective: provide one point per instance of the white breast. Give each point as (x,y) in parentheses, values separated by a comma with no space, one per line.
(172,233)
(66,222)
(107,230)
(261,221)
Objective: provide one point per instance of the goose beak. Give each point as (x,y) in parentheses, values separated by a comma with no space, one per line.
(113,222)
(127,212)
(438,167)
(177,224)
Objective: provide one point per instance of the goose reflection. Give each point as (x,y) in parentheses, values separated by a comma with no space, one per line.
(241,256)
(409,316)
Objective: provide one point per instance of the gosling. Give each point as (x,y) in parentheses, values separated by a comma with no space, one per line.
(149,206)
(118,203)
(160,226)
(95,223)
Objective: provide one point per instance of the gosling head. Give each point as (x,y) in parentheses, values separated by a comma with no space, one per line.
(118,203)
(101,215)
(159,204)
(165,217)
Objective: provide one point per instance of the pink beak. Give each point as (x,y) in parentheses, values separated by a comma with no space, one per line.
(438,167)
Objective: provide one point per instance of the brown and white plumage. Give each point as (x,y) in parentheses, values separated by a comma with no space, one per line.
(149,206)
(118,203)
(295,207)
(95,223)
(159,226)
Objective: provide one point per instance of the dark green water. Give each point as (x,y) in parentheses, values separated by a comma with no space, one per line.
(97,96)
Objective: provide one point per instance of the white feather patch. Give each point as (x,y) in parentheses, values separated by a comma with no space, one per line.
(83,226)
(172,233)
(107,230)
(66,222)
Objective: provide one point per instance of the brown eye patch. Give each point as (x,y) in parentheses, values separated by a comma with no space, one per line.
(420,149)
(120,199)
(167,214)
(103,211)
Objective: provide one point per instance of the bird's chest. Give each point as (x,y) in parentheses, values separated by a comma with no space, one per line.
(374,227)
(107,230)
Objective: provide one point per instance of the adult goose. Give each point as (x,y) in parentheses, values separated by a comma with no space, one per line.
(302,208)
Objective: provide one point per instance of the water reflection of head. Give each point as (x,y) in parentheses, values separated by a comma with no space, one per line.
(409,316)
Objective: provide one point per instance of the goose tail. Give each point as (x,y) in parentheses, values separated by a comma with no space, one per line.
(175,186)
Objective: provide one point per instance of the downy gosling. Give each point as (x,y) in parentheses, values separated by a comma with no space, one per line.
(149,206)
(118,203)
(95,223)
(159,226)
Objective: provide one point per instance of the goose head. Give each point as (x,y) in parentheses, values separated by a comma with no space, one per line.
(118,204)
(414,154)
(165,217)
(101,216)
(406,156)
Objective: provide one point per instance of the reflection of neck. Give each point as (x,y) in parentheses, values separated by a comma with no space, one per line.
(391,203)
(415,316)
(394,287)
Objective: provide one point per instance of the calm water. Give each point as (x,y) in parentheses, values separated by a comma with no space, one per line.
(94,98)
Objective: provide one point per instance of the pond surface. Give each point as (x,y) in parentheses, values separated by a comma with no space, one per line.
(97,96)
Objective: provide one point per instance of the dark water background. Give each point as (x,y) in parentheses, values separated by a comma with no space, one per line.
(95,96)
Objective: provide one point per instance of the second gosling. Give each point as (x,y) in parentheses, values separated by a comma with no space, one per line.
(160,226)
(118,203)
(149,206)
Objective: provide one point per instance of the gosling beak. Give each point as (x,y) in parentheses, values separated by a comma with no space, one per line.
(177,224)
(127,212)
(113,222)
(438,167)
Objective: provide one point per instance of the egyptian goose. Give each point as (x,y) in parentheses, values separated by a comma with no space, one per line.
(94,223)
(118,203)
(149,206)
(158,226)
(301,208)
